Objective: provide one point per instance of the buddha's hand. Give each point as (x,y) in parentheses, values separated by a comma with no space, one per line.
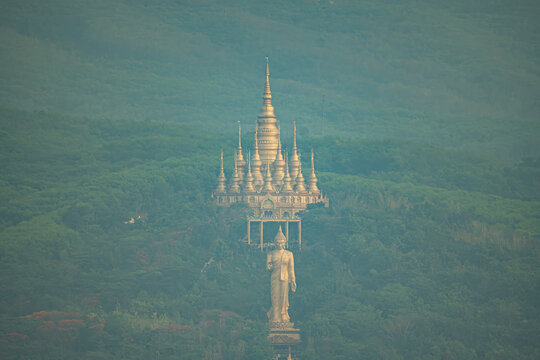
(293,286)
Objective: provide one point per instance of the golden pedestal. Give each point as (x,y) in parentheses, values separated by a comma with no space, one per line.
(284,338)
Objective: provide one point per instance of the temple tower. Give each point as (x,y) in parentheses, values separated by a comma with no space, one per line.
(273,188)
(268,132)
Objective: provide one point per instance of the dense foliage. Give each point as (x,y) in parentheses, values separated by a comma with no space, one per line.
(423,253)
(424,119)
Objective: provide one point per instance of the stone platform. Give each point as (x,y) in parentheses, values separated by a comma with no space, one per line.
(284,338)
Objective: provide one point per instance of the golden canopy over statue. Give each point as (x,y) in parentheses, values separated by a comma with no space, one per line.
(268,180)
(281,263)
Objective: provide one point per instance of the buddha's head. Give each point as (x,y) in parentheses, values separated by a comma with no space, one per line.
(280,239)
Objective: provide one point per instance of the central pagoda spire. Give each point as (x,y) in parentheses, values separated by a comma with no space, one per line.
(268,137)
(267,97)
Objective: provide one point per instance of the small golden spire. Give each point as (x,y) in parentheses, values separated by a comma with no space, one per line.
(279,165)
(256,162)
(239,157)
(268,187)
(312,179)
(256,144)
(294,135)
(279,155)
(222,160)
(312,162)
(294,161)
(248,184)
(235,178)
(300,182)
(267,109)
(287,188)
(267,94)
(256,157)
(221,188)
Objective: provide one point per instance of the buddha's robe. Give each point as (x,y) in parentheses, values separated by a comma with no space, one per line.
(281,262)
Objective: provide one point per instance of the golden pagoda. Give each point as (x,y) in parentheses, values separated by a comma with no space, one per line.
(272,186)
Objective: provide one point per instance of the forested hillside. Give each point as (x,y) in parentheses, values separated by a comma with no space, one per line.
(460,74)
(424,120)
(407,263)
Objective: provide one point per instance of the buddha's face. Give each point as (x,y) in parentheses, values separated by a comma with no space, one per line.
(281,244)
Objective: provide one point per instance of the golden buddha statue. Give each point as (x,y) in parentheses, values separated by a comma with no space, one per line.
(281,263)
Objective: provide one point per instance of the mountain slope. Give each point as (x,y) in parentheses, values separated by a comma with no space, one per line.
(398,266)
(460,75)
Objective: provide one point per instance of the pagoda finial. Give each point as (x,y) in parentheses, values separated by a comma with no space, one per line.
(221,160)
(268,187)
(235,179)
(295,160)
(312,179)
(294,136)
(300,182)
(268,173)
(287,188)
(239,157)
(279,166)
(239,136)
(267,110)
(279,155)
(221,188)
(267,93)
(248,184)
(257,163)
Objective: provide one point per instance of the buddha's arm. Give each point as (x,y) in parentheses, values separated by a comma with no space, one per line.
(292,278)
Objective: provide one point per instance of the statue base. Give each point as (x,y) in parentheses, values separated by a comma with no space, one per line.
(284,338)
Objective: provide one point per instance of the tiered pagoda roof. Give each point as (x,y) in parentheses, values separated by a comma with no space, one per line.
(271,184)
